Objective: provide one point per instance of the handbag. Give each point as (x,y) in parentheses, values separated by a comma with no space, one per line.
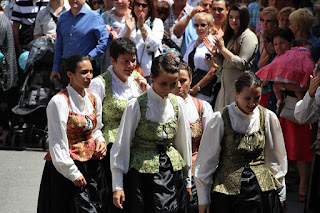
(288,109)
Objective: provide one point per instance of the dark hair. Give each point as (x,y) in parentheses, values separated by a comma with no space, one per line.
(122,46)
(247,79)
(225,1)
(71,63)
(165,63)
(185,66)
(244,22)
(152,10)
(286,34)
(163,7)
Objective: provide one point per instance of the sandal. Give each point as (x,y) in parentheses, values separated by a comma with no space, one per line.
(301,197)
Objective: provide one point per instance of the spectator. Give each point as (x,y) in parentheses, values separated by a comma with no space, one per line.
(107,5)
(279,4)
(115,22)
(220,10)
(79,31)
(148,33)
(301,22)
(96,4)
(203,70)
(242,159)
(179,9)
(186,28)
(237,48)
(9,9)
(23,17)
(47,19)
(283,17)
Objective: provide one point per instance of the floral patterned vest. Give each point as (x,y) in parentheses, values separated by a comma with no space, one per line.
(144,154)
(196,129)
(238,151)
(112,109)
(81,142)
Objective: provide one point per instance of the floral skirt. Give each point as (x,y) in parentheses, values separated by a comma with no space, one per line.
(164,191)
(59,194)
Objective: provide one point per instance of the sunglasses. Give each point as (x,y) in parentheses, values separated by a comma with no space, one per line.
(137,4)
(202,25)
(97,2)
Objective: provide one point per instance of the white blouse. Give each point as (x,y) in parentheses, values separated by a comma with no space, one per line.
(57,113)
(152,44)
(193,114)
(121,90)
(307,110)
(158,110)
(208,157)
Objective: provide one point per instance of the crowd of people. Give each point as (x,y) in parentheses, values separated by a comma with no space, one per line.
(172,105)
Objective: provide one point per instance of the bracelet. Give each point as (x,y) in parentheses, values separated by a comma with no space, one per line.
(198,88)
(143,30)
(189,16)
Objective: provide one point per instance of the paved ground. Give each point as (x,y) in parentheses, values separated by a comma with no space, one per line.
(20,175)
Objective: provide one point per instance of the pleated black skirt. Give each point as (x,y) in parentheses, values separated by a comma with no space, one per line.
(313,196)
(59,194)
(250,200)
(163,192)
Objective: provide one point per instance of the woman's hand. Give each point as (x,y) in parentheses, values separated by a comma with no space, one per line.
(189,191)
(141,19)
(80,181)
(111,31)
(129,21)
(211,63)
(210,46)
(118,198)
(204,208)
(142,82)
(219,42)
(101,150)
(314,84)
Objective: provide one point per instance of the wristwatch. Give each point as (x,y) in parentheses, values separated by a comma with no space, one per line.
(198,88)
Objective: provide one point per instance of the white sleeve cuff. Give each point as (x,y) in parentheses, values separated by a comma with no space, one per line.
(117,180)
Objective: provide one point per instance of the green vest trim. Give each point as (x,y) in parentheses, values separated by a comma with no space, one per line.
(144,155)
(112,109)
(240,150)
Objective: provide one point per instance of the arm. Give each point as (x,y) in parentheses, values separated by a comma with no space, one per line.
(207,114)
(102,36)
(153,41)
(37,31)
(97,86)
(57,113)
(275,151)
(204,81)
(181,26)
(208,157)
(182,141)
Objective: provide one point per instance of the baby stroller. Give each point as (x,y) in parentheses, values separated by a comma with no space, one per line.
(30,122)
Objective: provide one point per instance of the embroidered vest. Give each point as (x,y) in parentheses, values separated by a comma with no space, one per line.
(144,155)
(81,142)
(196,129)
(112,109)
(238,151)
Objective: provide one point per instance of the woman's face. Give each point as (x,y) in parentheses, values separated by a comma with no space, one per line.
(164,83)
(82,77)
(202,27)
(121,5)
(284,22)
(183,85)
(124,65)
(281,45)
(268,24)
(248,99)
(234,20)
(141,6)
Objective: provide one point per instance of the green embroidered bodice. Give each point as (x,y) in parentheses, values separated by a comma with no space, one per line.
(144,155)
(112,109)
(240,150)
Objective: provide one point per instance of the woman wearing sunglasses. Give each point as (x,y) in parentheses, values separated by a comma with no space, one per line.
(146,31)
(203,68)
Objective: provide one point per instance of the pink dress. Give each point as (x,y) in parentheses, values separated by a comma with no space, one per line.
(293,66)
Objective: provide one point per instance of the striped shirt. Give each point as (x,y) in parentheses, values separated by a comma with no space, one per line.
(25,11)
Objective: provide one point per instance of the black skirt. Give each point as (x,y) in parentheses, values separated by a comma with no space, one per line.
(313,196)
(59,194)
(193,204)
(163,192)
(250,200)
